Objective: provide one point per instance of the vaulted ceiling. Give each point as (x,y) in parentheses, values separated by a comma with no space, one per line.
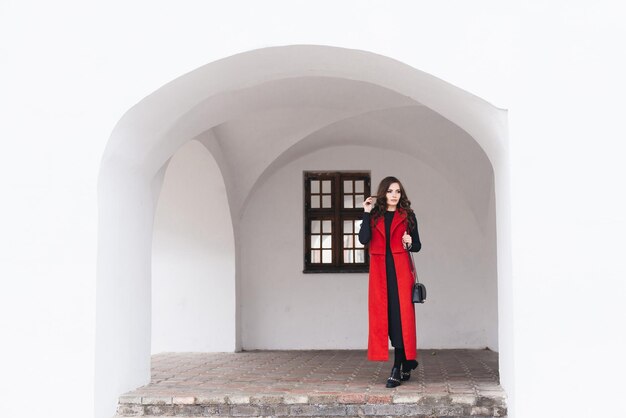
(259,110)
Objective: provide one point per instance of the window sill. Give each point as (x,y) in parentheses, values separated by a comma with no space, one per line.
(338,270)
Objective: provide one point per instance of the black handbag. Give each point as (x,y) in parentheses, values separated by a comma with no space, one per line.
(419,290)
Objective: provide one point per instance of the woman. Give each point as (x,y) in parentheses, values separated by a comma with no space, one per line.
(387,219)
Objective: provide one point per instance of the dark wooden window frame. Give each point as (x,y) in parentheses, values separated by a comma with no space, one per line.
(337,214)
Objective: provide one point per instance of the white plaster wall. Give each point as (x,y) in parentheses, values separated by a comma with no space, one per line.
(569,209)
(283,308)
(193,257)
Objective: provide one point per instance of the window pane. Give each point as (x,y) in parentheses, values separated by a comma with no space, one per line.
(357,226)
(347,241)
(327,256)
(347,256)
(326,241)
(359,186)
(359,256)
(316,256)
(347,201)
(358,201)
(326,201)
(315,186)
(315,202)
(357,243)
(327,226)
(347,226)
(347,186)
(315,227)
(326,186)
(315,241)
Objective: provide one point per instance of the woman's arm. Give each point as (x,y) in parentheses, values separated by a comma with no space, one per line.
(416,244)
(365,233)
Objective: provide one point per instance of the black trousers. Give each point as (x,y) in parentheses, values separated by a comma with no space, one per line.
(393,304)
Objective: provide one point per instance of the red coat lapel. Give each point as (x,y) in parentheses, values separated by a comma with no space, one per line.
(397,220)
(380,225)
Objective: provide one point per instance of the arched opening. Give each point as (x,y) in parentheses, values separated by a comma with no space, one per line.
(452,194)
(222,105)
(193,258)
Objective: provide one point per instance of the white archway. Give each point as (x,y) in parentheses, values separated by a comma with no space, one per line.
(193,258)
(450,182)
(199,105)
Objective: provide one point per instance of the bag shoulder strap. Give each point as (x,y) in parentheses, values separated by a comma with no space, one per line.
(412,262)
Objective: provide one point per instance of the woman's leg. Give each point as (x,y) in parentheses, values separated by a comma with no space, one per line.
(407,366)
(398,356)
(395,379)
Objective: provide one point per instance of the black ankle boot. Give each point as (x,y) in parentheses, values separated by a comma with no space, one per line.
(394,379)
(407,366)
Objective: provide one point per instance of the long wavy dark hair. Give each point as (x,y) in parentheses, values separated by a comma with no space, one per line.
(381,200)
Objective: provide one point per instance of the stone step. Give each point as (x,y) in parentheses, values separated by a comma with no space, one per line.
(316,383)
(348,405)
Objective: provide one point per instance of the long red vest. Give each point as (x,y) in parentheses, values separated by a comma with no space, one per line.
(378,343)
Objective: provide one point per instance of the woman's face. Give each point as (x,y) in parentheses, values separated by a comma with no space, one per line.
(393,195)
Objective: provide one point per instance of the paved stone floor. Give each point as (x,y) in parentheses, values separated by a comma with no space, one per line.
(307,383)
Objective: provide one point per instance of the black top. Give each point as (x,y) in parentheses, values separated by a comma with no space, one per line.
(365,233)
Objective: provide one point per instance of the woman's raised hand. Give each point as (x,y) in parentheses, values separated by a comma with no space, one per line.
(367,204)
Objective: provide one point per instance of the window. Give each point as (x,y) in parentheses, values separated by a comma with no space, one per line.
(333,207)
